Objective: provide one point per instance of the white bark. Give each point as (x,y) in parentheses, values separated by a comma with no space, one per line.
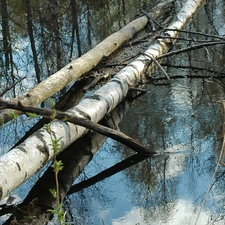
(78,67)
(23,161)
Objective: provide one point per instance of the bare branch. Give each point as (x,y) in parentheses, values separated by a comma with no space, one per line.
(11,86)
(183,39)
(158,64)
(191,48)
(195,32)
(152,19)
(116,135)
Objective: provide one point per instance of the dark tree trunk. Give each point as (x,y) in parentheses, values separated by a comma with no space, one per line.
(7,48)
(89,26)
(5,32)
(56,31)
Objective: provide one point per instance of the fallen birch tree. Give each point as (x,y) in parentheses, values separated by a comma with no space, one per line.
(26,159)
(55,114)
(83,64)
(34,208)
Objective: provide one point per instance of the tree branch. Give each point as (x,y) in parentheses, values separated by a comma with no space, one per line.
(11,86)
(195,32)
(191,48)
(116,135)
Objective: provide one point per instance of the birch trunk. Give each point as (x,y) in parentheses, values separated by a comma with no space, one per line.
(23,161)
(83,64)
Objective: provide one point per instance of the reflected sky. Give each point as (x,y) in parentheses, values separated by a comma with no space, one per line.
(169,188)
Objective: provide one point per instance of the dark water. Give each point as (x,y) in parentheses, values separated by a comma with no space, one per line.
(183,121)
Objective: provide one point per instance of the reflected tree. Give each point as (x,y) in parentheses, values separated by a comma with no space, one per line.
(8,65)
(75,28)
(30,30)
(56,25)
(7,48)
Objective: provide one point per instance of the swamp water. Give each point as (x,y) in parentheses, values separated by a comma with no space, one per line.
(183,121)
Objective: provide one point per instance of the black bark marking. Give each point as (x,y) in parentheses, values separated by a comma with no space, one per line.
(1,193)
(98,98)
(43,149)
(25,177)
(21,148)
(95,97)
(76,129)
(137,71)
(18,165)
(108,105)
(85,115)
(118,82)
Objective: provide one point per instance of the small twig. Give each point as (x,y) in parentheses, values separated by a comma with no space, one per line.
(11,86)
(131,57)
(198,33)
(217,73)
(190,48)
(115,65)
(95,81)
(130,96)
(152,19)
(158,64)
(137,89)
(211,182)
(182,39)
(142,40)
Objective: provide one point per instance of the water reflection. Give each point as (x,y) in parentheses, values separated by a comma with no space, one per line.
(182,120)
(40,37)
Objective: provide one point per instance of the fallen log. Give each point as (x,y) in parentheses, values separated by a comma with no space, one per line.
(114,134)
(83,64)
(33,209)
(23,161)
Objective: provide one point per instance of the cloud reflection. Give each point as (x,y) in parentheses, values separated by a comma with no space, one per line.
(181,213)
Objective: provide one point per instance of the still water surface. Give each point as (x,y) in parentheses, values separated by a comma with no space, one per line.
(182,121)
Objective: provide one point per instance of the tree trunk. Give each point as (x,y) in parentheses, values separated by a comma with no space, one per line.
(7,47)
(78,67)
(23,161)
(74,159)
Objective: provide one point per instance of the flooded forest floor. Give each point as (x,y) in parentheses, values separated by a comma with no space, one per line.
(182,120)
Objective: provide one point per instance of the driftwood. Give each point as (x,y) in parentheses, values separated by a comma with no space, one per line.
(69,100)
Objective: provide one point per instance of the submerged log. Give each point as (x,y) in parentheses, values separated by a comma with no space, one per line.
(37,149)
